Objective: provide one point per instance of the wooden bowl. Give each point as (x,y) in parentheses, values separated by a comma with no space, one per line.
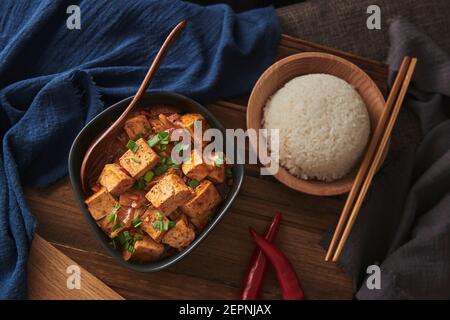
(308,63)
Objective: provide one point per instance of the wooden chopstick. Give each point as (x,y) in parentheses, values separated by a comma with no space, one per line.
(377,159)
(376,137)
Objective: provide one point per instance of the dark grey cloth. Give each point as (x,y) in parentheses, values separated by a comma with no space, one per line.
(342,23)
(404,224)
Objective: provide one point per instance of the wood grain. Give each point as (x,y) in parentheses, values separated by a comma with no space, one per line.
(378,71)
(214,270)
(47,277)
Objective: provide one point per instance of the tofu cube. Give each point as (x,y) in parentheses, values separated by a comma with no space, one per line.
(139,162)
(145,250)
(188,120)
(151,215)
(181,235)
(169,193)
(115,180)
(195,167)
(169,171)
(201,206)
(137,125)
(216,164)
(100,204)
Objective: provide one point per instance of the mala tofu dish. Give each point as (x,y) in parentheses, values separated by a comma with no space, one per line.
(150,205)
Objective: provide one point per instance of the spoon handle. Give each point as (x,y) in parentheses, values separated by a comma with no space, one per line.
(152,70)
(142,88)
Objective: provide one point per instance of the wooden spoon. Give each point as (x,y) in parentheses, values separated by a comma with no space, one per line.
(95,149)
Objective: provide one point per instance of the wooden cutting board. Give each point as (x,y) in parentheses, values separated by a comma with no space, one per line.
(215,268)
(48,276)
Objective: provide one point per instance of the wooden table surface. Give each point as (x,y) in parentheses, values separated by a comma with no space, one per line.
(215,269)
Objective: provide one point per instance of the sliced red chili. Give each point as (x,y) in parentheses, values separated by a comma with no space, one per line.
(287,278)
(258,264)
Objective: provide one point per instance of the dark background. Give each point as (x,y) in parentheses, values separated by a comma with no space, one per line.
(242,5)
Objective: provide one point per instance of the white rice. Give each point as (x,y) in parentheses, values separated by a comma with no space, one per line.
(324,126)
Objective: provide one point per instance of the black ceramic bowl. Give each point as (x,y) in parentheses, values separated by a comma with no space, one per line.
(97,125)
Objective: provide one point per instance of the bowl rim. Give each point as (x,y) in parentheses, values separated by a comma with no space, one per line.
(238,177)
(313,186)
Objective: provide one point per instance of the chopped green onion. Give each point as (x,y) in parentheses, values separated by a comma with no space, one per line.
(153,141)
(112,217)
(161,147)
(163,135)
(136,222)
(160,169)
(163,225)
(140,184)
(172,224)
(163,138)
(120,238)
(193,183)
(131,248)
(228,172)
(138,136)
(127,235)
(172,164)
(159,216)
(158,225)
(117,226)
(132,146)
(138,161)
(149,176)
(126,240)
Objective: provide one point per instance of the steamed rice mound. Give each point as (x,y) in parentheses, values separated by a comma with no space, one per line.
(324,126)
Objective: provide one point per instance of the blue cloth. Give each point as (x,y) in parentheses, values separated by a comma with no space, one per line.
(54,80)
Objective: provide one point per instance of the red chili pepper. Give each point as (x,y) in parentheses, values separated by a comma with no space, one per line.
(258,264)
(289,282)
